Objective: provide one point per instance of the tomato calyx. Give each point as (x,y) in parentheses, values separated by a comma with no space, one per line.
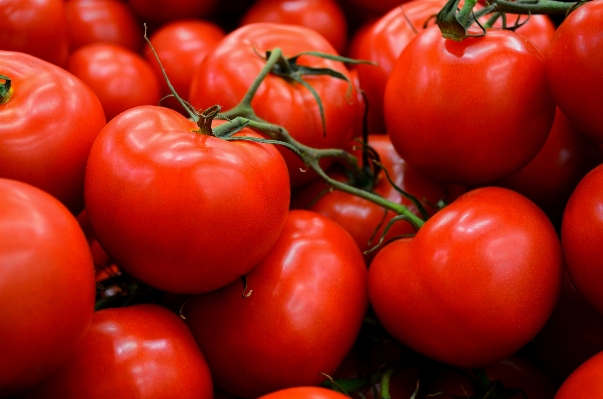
(456,24)
(5,89)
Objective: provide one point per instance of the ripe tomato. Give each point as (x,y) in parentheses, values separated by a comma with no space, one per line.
(35,27)
(46,285)
(365,220)
(112,21)
(551,176)
(306,305)
(120,78)
(45,137)
(475,284)
(382,41)
(141,351)
(181,46)
(585,382)
(228,71)
(574,59)
(539,29)
(324,16)
(304,393)
(581,235)
(183,211)
(468,112)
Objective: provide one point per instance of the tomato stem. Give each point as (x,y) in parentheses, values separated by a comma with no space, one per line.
(385,378)
(5,89)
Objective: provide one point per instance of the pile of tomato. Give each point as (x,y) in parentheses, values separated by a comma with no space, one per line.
(301,199)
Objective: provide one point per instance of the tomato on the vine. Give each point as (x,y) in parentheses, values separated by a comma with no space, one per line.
(475,284)
(296,315)
(181,210)
(228,71)
(468,112)
(46,285)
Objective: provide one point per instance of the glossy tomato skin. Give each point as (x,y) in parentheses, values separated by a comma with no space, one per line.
(324,16)
(581,235)
(46,285)
(183,211)
(304,393)
(181,46)
(382,41)
(574,59)
(585,382)
(475,284)
(121,78)
(35,27)
(112,21)
(228,71)
(45,137)
(141,351)
(306,302)
(468,112)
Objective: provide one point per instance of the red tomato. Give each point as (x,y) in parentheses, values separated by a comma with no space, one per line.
(46,285)
(475,284)
(539,29)
(572,334)
(581,237)
(35,27)
(183,211)
(304,393)
(365,220)
(468,112)
(120,78)
(306,302)
(382,41)
(228,71)
(324,16)
(181,46)
(141,351)
(551,176)
(163,11)
(574,59)
(45,137)
(585,382)
(111,21)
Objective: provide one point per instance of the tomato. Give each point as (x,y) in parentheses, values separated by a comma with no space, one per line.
(551,176)
(159,12)
(581,235)
(45,137)
(46,285)
(574,59)
(585,382)
(324,16)
(112,21)
(468,112)
(539,29)
(120,78)
(475,284)
(365,220)
(572,334)
(382,41)
(141,351)
(35,27)
(181,46)
(228,71)
(305,304)
(304,393)
(183,211)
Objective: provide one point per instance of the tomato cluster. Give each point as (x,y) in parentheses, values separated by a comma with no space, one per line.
(301,199)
